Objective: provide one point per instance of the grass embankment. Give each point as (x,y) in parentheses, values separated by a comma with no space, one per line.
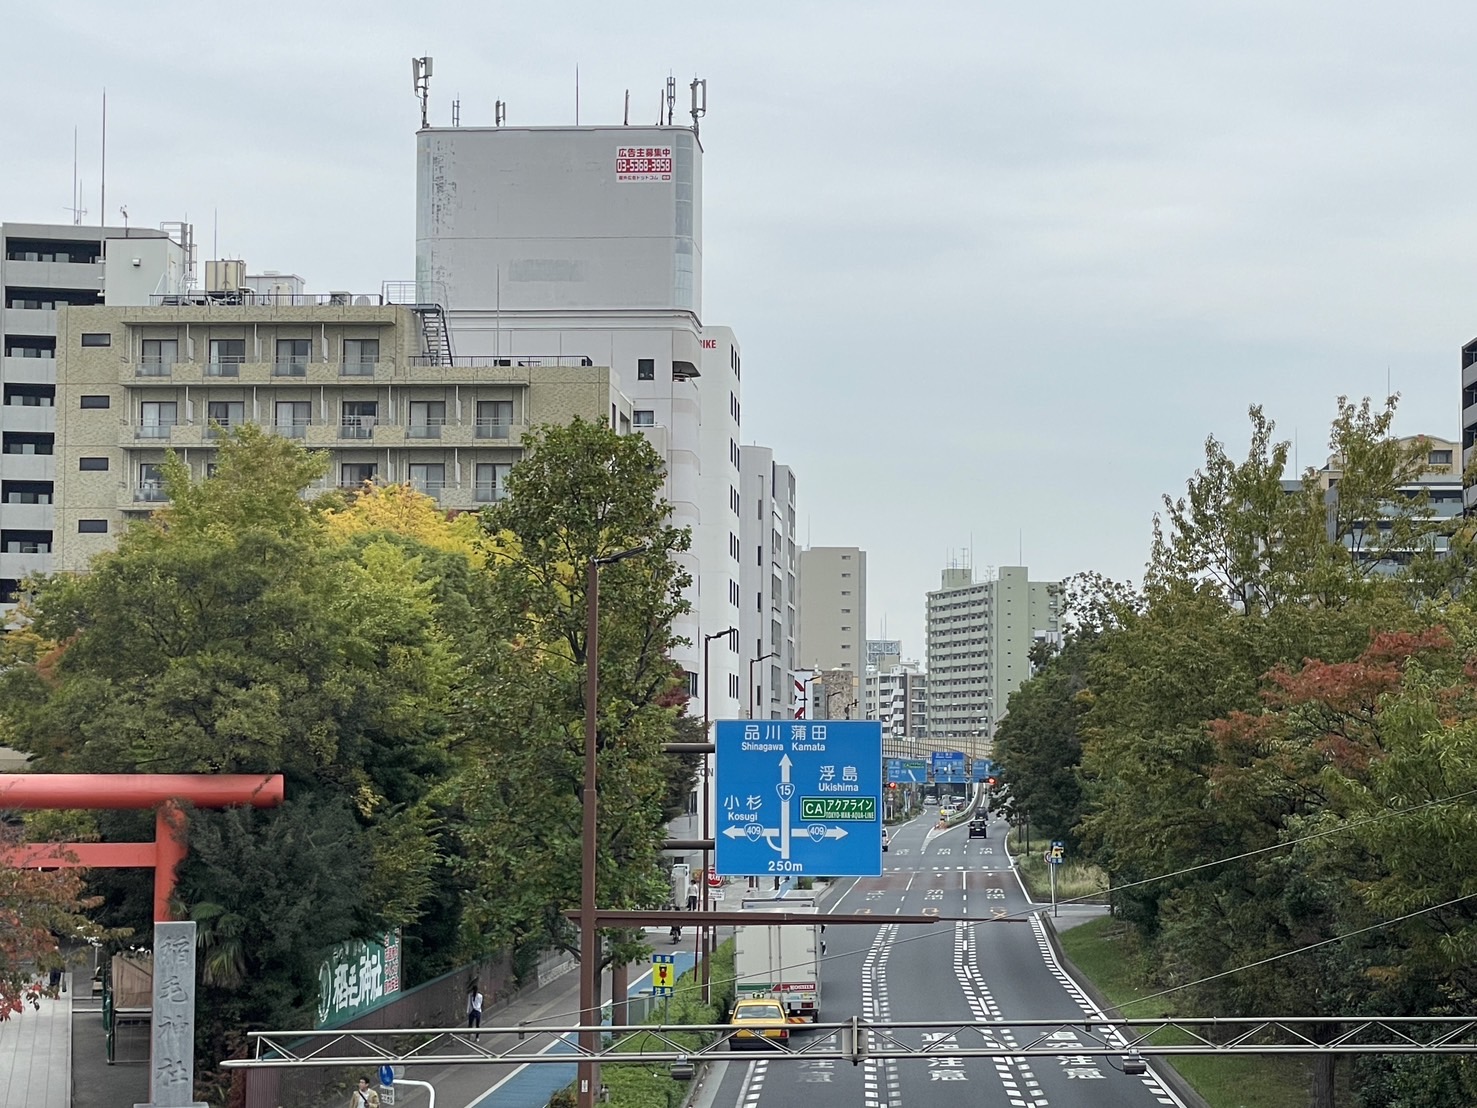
(651,1086)
(1074,881)
(1105,951)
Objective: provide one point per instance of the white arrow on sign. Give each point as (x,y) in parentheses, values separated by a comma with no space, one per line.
(786,791)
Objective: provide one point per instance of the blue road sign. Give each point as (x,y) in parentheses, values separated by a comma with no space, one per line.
(387,1076)
(983,768)
(907,771)
(948,761)
(801,797)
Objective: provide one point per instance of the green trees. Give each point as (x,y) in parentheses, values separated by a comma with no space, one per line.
(584,493)
(1274,745)
(416,678)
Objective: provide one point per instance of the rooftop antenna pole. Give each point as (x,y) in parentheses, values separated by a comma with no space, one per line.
(699,90)
(76,217)
(626,118)
(576,96)
(499,113)
(456,113)
(671,98)
(102,208)
(420,71)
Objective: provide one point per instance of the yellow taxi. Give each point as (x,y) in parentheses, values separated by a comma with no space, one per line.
(758,1021)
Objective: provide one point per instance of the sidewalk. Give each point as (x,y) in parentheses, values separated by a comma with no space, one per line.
(36,1055)
(531,1084)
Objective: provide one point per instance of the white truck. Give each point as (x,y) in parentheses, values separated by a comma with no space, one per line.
(783,962)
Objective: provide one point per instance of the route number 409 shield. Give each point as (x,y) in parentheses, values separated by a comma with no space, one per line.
(798,798)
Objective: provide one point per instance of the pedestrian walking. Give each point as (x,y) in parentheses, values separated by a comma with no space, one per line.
(474,1008)
(365,1096)
(692,896)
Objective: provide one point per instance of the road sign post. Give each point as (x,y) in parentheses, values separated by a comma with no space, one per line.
(1054,859)
(799,798)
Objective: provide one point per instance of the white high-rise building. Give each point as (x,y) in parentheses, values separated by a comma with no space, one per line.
(768,582)
(716,539)
(980,635)
(42,267)
(582,245)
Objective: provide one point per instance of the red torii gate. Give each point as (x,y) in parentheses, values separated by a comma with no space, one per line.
(160,791)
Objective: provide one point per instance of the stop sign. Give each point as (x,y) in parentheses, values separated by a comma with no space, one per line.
(714,881)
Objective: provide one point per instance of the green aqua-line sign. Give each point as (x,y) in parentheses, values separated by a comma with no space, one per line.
(862,809)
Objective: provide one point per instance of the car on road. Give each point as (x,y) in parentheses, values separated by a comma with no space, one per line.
(885,839)
(946,810)
(757,1022)
(979,827)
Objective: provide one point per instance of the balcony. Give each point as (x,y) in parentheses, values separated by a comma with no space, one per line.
(18,564)
(494,429)
(28,417)
(357,427)
(485,493)
(290,367)
(150,492)
(27,517)
(225,365)
(29,371)
(430,429)
(160,431)
(430,488)
(358,369)
(28,467)
(221,428)
(154,367)
(290,428)
(30,321)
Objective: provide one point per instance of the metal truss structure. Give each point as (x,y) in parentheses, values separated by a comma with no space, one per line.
(858,1040)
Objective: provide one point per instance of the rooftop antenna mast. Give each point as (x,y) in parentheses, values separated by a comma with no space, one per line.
(77,210)
(699,90)
(420,69)
(499,113)
(456,113)
(626,118)
(671,99)
(102,206)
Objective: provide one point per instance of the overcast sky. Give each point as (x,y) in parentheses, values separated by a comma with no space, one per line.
(997,270)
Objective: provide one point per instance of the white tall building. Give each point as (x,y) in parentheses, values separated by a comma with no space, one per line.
(716,539)
(580,244)
(897,695)
(44,266)
(768,582)
(833,608)
(980,635)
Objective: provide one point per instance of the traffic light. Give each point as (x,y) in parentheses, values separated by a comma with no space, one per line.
(990,781)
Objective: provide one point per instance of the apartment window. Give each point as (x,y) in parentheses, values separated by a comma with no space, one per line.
(292,357)
(494,419)
(225,356)
(427,417)
(492,481)
(360,357)
(845,592)
(352,475)
(291,418)
(358,418)
(92,527)
(156,417)
(96,401)
(97,338)
(429,478)
(92,465)
(1439,458)
(646,369)
(846,575)
(642,417)
(158,357)
(226,413)
(27,492)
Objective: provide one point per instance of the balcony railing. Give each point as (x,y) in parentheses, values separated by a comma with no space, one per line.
(291,428)
(154,367)
(358,369)
(494,428)
(357,427)
(290,367)
(220,428)
(153,430)
(28,548)
(430,429)
(150,493)
(430,488)
(485,493)
(225,365)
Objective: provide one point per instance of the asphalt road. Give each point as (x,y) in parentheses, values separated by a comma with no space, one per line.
(970,972)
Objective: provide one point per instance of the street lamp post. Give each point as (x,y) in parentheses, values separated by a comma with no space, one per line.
(706,941)
(752,663)
(589,1069)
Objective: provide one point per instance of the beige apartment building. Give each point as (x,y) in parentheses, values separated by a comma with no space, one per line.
(367,381)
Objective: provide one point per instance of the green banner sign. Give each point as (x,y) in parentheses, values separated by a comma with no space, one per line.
(357,976)
(858,808)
